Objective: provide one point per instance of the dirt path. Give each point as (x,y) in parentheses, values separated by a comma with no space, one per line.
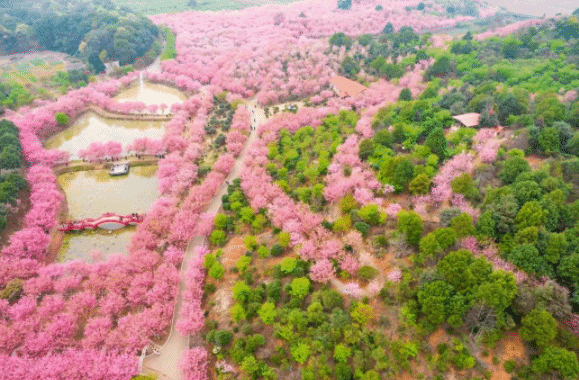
(166,363)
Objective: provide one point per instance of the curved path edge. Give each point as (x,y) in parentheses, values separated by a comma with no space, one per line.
(165,364)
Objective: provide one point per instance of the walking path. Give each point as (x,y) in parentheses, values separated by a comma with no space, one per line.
(166,363)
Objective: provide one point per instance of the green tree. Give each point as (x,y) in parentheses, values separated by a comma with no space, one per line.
(437,143)
(342,224)
(405,95)
(283,239)
(539,326)
(267,313)
(362,313)
(512,167)
(61,118)
(10,158)
(429,245)
(342,353)
(371,214)
(243,263)
(527,257)
(556,247)
(288,264)
(420,185)
(410,223)
(365,149)
(446,237)
(250,366)
(300,287)
(348,203)
(237,312)
(433,298)
(558,361)
(441,67)
(403,174)
(216,271)
(464,185)
(300,352)
(462,224)
(509,104)
(8,139)
(531,214)
(549,108)
(340,39)
(241,291)
(499,291)
(510,48)
(250,242)
(549,140)
(388,28)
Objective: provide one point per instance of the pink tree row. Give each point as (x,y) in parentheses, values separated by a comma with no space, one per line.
(191,318)
(194,364)
(72,365)
(239,130)
(97,151)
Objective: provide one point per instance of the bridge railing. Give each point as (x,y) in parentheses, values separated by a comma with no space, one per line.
(110,217)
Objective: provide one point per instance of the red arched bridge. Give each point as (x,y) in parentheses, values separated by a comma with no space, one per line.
(108,221)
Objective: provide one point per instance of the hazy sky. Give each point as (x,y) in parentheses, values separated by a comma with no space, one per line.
(538,7)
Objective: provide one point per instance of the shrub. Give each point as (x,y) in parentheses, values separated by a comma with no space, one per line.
(372,215)
(221,338)
(250,242)
(300,287)
(342,353)
(368,273)
(362,313)
(510,365)
(237,312)
(218,237)
(276,250)
(348,203)
(61,118)
(243,263)
(283,239)
(267,313)
(420,185)
(288,265)
(216,271)
(300,352)
(262,252)
(342,224)
(364,228)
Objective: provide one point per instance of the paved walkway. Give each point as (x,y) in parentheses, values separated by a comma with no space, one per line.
(166,363)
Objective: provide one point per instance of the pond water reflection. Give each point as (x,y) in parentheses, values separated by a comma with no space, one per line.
(93,128)
(152,93)
(79,245)
(92,193)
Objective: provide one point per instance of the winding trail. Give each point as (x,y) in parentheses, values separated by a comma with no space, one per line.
(166,363)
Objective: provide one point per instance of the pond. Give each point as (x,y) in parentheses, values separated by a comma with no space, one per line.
(152,93)
(93,128)
(91,193)
(79,245)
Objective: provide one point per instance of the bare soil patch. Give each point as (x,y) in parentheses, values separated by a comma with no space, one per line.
(232,252)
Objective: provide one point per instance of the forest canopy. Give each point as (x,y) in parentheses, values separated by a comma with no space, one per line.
(96,31)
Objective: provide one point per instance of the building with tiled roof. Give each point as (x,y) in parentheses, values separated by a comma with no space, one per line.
(345,87)
(468,119)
